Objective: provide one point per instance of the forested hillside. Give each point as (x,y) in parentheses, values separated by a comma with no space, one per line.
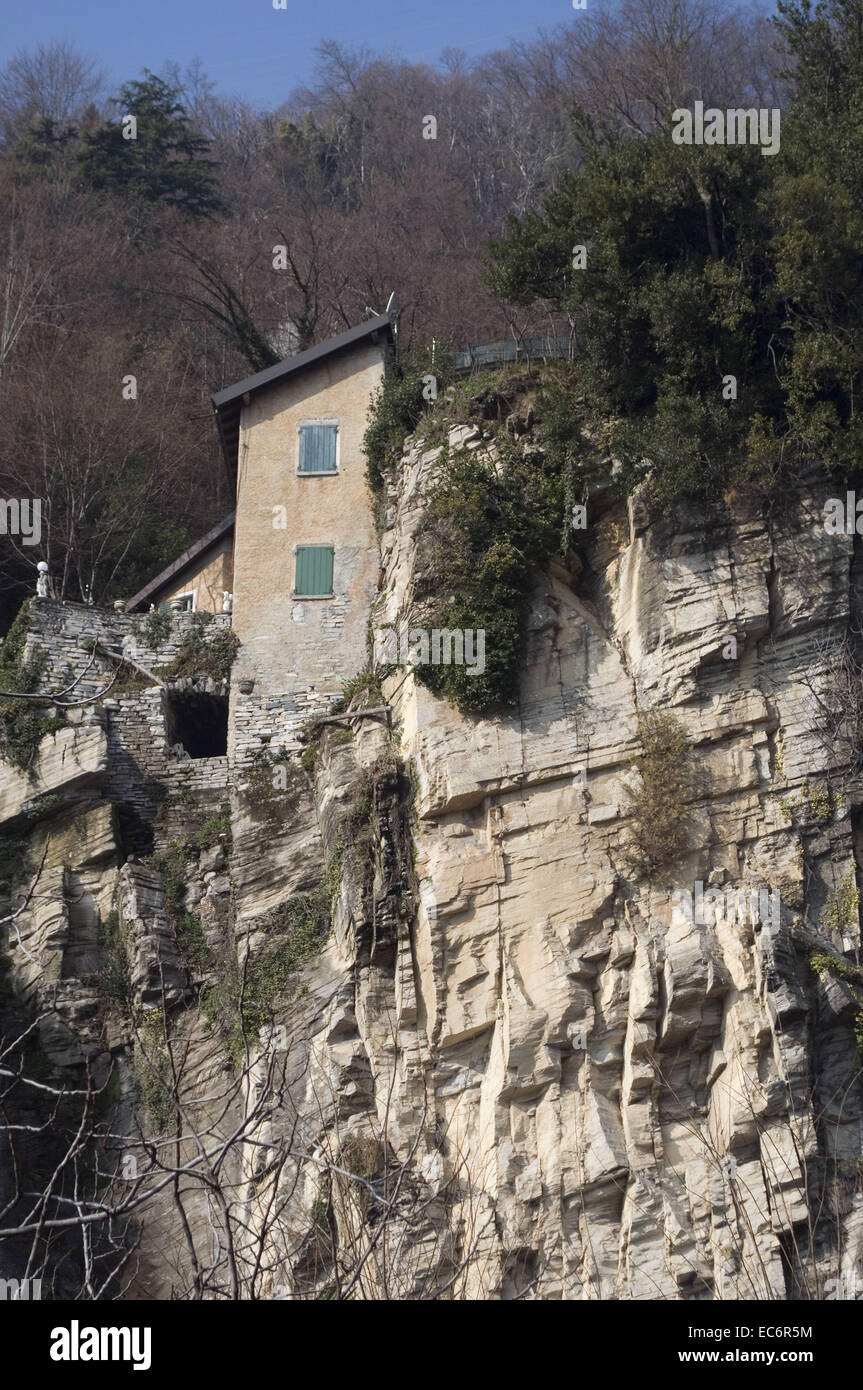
(139,275)
(472,911)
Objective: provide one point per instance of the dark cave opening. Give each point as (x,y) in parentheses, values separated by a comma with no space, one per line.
(198,721)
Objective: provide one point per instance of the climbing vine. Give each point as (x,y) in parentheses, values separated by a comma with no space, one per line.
(23,724)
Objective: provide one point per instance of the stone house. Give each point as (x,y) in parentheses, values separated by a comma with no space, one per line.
(197,580)
(306,557)
(304,566)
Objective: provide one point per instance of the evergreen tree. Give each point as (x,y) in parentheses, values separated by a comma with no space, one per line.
(163,163)
(705,263)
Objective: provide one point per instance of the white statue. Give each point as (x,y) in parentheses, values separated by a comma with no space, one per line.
(44,587)
(227,601)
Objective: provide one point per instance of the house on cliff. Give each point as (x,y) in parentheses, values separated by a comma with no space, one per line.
(304,565)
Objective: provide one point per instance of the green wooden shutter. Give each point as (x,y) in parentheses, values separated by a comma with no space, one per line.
(317,448)
(314,571)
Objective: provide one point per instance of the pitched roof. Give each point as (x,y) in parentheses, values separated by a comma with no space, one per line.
(229,403)
(183,562)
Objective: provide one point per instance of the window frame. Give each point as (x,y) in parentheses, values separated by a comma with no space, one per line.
(335,424)
(315,545)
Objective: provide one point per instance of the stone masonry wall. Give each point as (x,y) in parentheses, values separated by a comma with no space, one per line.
(60,630)
(150,786)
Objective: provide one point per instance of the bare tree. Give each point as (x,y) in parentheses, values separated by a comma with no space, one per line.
(834,682)
(52,82)
(224,1176)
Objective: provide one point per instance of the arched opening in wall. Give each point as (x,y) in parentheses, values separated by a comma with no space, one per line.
(198,721)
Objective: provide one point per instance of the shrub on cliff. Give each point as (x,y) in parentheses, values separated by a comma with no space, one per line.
(23,723)
(398,406)
(199,657)
(487,526)
(298,929)
(664,787)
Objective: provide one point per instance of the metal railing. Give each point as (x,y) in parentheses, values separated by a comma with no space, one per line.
(512,350)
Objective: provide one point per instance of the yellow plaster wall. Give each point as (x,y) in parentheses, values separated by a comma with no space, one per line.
(304,648)
(208,583)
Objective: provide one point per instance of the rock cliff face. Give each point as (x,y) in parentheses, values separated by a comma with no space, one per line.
(519,1066)
(642,1105)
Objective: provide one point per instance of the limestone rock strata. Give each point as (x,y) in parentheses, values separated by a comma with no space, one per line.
(646,1106)
(568,1084)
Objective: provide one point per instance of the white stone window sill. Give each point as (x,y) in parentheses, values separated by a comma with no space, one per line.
(310,598)
(320,473)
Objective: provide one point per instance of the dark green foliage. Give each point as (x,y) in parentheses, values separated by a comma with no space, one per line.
(298,928)
(155,544)
(309,151)
(241,1005)
(319,1217)
(191,941)
(271,789)
(12,650)
(242,1002)
(165,164)
(42,149)
(395,412)
(153,1068)
(127,679)
(198,657)
(715,261)
(214,827)
(23,723)
(173,866)
(156,790)
(662,310)
(16,858)
(823,964)
(571,456)
(156,627)
(488,527)
(818,212)
(359,692)
(365,684)
(155,1098)
(484,531)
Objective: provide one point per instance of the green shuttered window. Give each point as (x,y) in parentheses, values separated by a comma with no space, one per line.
(318,448)
(314,577)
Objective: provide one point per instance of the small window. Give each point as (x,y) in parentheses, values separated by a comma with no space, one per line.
(314,577)
(180,603)
(318,448)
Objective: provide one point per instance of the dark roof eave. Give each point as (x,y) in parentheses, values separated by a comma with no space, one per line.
(229,402)
(188,557)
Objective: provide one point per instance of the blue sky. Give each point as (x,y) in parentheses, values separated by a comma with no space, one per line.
(253,51)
